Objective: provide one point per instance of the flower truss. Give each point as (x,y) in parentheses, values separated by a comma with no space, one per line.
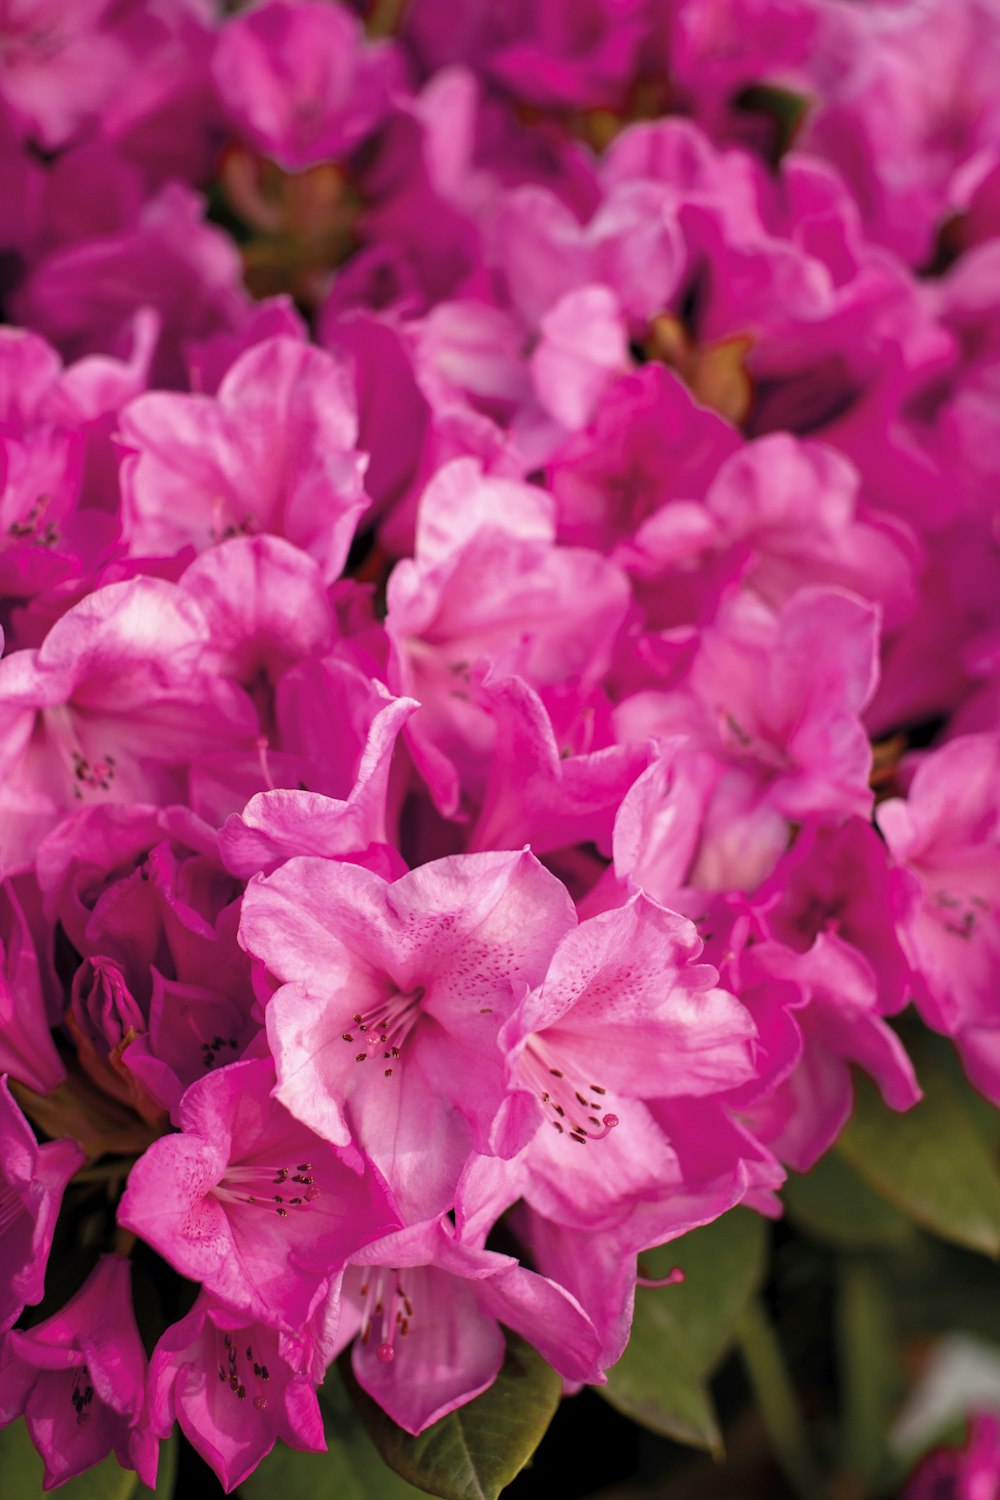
(500,697)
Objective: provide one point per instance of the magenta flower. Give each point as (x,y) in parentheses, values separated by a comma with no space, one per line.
(971,1473)
(385,1027)
(79,1379)
(111,708)
(488,587)
(572,52)
(548,792)
(251,1203)
(32,1180)
(299,81)
(623,1017)
(816,1013)
(207,468)
(426,1309)
(649,443)
(61,67)
(84,296)
(946,835)
(236,1387)
(143,887)
(192,1029)
(837,879)
(772,711)
(27,1051)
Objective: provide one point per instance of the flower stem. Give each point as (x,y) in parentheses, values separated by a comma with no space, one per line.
(776,1402)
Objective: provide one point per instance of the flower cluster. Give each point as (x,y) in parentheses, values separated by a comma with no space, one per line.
(487,509)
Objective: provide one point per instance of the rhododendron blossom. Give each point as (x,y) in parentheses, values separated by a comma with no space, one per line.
(499,728)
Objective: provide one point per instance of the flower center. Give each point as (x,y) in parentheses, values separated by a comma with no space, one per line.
(569,1101)
(35,526)
(385,1027)
(255,1186)
(85,773)
(957,914)
(235,1368)
(81,1396)
(223,528)
(388,1311)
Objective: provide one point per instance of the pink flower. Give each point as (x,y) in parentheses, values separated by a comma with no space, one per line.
(300,82)
(775,701)
(236,1387)
(649,444)
(945,835)
(582,348)
(143,887)
(191,1029)
(348,813)
(385,1027)
(778,515)
(551,791)
(251,1203)
(32,1180)
(60,67)
(83,296)
(837,879)
(274,450)
(972,1473)
(816,1012)
(632,245)
(487,587)
(573,53)
(426,1309)
(112,707)
(27,1051)
(622,1019)
(79,1378)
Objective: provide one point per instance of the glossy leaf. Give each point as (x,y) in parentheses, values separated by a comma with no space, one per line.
(934,1162)
(476,1451)
(680,1333)
(834,1204)
(21,1473)
(351,1470)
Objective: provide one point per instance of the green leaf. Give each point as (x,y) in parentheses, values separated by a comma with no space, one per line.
(871,1377)
(934,1162)
(21,1472)
(476,1451)
(351,1470)
(834,1204)
(680,1333)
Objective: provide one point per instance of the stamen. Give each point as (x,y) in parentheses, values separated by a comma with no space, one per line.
(82,773)
(385,1027)
(81,1396)
(675,1278)
(231,1373)
(389,1309)
(567,1099)
(263,1179)
(959,915)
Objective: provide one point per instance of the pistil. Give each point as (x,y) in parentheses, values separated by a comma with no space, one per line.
(388,1310)
(385,1027)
